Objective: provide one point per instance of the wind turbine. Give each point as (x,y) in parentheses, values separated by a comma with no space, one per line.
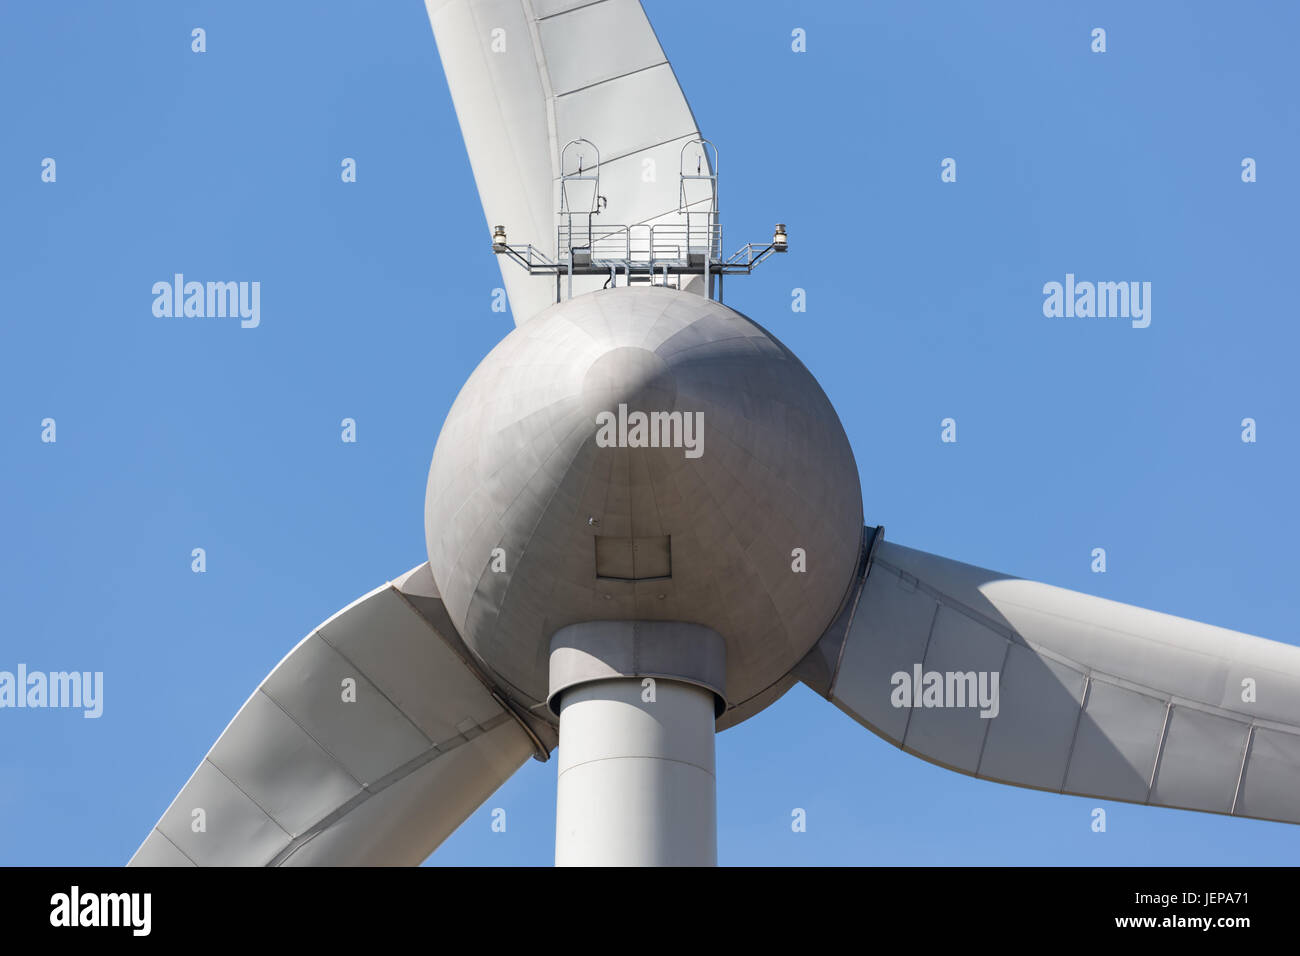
(644,525)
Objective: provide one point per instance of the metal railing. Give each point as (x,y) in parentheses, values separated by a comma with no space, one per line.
(641,246)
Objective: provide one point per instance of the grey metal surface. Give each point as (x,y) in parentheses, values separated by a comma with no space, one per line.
(527,77)
(636,782)
(1097,698)
(672,650)
(518,468)
(379,773)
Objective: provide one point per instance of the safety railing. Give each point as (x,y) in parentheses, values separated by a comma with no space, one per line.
(643,244)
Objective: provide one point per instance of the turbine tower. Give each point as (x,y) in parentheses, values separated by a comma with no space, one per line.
(644,525)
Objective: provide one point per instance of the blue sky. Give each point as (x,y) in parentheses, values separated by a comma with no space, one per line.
(924,302)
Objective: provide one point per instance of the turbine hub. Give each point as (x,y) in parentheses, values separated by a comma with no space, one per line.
(642,454)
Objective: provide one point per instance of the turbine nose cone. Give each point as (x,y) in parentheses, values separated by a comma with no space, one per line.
(631,376)
(642,454)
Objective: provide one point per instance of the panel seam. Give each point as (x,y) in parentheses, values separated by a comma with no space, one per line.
(561,13)
(988,728)
(686,763)
(1160,749)
(540,749)
(1078,722)
(178,847)
(379,786)
(371,681)
(235,783)
(1241,774)
(591,86)
(907,724)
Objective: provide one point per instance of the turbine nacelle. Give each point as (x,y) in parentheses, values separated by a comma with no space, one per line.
(642,454)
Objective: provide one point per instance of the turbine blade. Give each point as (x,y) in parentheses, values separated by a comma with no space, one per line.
(528,77)
(1092,697)
(368,744)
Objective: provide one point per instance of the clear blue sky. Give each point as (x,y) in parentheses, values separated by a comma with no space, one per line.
(924,302)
